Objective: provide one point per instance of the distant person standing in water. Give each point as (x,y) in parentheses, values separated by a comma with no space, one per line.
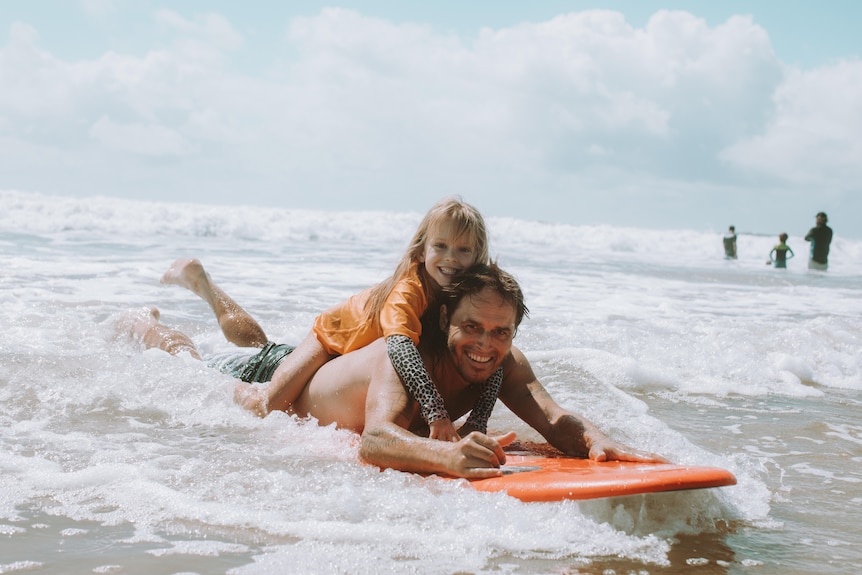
(730,243)
(779,254)
(820,237)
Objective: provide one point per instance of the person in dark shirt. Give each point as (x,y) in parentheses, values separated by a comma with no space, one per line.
(730,243)
(820,237)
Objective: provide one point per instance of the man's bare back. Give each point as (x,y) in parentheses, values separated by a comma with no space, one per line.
(337,392)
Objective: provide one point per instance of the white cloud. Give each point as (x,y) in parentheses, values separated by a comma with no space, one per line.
(814,136)
(139,138)
(100,9)
(361,108)
(543,92)
(209,28)
(33,81)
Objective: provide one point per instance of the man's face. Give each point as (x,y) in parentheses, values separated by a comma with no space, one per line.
(821,221)
(480,334)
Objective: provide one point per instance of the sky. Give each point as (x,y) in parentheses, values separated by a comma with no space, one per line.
(640,113)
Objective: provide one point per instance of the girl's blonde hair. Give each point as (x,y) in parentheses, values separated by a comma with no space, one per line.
(464,219)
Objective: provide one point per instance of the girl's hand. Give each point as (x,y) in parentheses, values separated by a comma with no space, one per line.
(443,430)
(250,397)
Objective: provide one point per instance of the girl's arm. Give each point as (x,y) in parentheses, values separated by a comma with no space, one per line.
(481,412)
(408,365)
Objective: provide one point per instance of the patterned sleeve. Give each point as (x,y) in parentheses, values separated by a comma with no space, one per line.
(410,368)
(485,404)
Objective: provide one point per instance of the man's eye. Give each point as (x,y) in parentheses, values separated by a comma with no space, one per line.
(501,334)
(469,328)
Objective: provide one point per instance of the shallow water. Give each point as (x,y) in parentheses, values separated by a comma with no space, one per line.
(117,461)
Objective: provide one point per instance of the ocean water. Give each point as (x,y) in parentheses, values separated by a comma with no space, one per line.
(114,460)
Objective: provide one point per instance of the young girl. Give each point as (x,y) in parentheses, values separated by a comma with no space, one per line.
(451,237)
(780,252)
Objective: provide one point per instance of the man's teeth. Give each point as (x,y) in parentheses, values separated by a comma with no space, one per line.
(479,358)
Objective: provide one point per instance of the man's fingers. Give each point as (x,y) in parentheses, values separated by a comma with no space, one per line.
(599,453)
(482,472)
(487,449)
(505,440)
(644,456)
(501,441)
(478,451)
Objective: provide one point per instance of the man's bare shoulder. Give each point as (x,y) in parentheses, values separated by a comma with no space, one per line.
(516,365)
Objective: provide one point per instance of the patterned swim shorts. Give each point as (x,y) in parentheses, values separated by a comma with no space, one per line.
(251,368)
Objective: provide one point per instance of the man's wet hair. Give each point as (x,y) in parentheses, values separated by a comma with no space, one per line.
(472,282)
(480,276)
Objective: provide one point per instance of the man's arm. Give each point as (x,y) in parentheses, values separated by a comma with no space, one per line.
(568,432)
(387,442)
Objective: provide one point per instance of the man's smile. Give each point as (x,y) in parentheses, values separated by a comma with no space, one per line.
(479,358)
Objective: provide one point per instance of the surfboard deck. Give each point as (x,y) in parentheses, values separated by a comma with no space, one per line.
(542,478)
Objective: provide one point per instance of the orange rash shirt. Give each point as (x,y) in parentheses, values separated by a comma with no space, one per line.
(342,329)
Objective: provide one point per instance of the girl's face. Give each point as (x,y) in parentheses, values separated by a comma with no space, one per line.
(446,256)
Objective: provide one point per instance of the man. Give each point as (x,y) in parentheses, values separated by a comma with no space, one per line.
(820,237)
(473,339)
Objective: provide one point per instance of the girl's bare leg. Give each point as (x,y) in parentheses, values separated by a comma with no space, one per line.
(143,325)
(288,381)
(294,372)
(237,325)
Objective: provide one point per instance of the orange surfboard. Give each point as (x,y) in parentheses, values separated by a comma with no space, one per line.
(539,478)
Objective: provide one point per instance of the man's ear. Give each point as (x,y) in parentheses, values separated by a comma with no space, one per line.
(444,319)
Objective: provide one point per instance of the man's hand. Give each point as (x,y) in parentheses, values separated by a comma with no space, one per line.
(443,430)
(478,456)
(608,450)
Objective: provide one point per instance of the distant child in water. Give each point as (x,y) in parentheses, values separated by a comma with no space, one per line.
(778,255)
(451,237)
